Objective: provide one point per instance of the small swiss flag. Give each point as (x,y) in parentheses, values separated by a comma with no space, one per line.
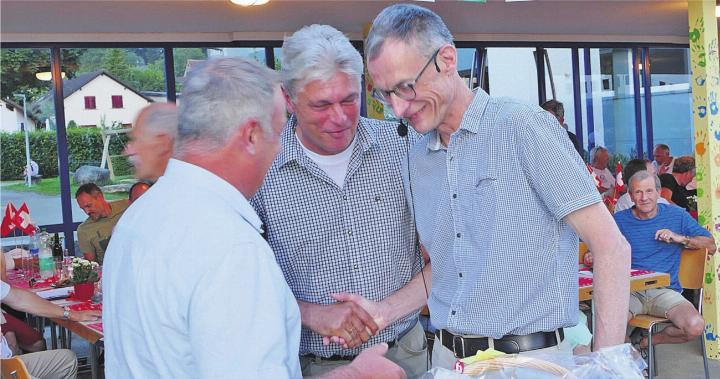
(23,221)
(619,183)
(8,225)
(594,176)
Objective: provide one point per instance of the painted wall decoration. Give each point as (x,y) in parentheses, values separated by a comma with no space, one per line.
(703,40)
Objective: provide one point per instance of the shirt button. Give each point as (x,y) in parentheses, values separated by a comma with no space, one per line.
(458,235)
(349,232)
(454,196)
(355,267)
(460,274)
(452,313)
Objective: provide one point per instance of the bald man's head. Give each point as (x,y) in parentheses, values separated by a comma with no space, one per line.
(152,139)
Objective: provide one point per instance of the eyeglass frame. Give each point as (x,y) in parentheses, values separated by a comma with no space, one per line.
(380,96)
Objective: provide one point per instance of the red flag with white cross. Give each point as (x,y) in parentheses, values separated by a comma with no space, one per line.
(8,225)
(23,221)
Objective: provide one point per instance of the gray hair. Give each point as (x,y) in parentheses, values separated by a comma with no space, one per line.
(684,164)
(221,94)
(411,24)
(317,52)
(642,175)
(160,118)
(594,153)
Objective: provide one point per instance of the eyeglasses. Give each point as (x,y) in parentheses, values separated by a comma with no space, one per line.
(405,91)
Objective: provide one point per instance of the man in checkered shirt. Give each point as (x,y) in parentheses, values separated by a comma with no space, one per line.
(500,199)
(335,213)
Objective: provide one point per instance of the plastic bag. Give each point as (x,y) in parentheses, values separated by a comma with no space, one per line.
(621,361)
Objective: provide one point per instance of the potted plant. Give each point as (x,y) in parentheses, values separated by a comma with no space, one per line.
(84,276)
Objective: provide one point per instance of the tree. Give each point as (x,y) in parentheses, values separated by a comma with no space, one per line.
(181,56)
(19,66)
(148,78)
(115,62)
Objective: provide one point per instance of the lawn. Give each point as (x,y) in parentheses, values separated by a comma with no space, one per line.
(51,187)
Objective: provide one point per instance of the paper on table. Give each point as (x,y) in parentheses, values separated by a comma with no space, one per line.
(55,293)
(587,274)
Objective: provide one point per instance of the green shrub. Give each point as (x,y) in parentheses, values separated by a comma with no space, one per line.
(85,147)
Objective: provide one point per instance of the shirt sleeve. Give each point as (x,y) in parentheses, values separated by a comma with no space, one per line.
(668,181)
(553,167)
(238,318)
(4,290)
(691,227)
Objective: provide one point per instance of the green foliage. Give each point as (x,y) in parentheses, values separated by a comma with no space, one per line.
(149,78)
(181,56)
(116,63)
(19,66)
(85,147)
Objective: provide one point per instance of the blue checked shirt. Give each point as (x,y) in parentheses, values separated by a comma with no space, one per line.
(490,211)
(327,239)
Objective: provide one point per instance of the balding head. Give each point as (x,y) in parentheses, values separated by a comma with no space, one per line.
(152,139)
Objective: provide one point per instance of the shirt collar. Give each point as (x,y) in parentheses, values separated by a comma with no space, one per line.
(469,122)
(292,151)
(178,170)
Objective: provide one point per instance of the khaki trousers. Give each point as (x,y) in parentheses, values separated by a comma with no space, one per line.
(410,353)
(51,364)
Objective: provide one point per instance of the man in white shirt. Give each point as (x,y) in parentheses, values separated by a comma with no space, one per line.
(599,159)
(663,162)
(191,289)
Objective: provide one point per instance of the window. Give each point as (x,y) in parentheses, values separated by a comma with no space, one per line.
(90,102)
(117,101)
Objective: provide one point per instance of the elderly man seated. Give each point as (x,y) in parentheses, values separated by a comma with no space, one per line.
(657,234)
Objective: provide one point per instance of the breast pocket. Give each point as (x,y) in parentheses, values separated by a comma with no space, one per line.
(484,210)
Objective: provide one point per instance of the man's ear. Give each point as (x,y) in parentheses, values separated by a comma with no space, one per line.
(247,137)
(447,58)
(288,101)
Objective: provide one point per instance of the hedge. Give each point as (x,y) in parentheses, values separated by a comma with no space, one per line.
(85,147)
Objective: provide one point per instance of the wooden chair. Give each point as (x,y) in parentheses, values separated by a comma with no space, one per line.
(692,267)
(582,249)
(14,368)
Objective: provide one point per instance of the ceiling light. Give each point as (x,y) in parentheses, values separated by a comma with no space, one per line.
(247,3)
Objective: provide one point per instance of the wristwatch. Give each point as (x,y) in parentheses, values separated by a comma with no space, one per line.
(66,314)
(686,241)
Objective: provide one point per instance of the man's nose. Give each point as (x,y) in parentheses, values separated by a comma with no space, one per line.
(399,106)
(338,114)
(129,150)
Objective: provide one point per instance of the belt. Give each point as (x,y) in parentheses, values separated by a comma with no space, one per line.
(351,357)
(511,344)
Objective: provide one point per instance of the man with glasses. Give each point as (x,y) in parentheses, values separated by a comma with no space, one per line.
(500,199)
(335,214)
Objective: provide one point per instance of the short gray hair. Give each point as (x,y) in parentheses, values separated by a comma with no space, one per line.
(642,175)
(411,24)
(160,118)
(595,151)
(317,52)
(221,94)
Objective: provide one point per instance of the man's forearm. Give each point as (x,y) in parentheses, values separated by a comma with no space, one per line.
(409,298)
(26,301)
(610,295)
(702,242)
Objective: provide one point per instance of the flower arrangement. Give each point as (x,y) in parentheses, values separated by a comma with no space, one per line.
(84,271)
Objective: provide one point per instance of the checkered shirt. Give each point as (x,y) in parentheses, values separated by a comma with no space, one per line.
(490,211)
(327,239)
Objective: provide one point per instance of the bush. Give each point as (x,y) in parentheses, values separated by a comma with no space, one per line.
(85,146)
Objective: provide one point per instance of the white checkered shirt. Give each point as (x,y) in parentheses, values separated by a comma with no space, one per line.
(327,239)
(489,211)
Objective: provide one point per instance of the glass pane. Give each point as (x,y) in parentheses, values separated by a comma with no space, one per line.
(559,82)
(671,99)
(28,134)
(466,66)
(276,51)
(102,98)
(184,58)
(512,73)
(609,85)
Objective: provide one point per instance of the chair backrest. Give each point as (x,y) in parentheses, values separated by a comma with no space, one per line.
(582,249)
(692,268)
(14,368)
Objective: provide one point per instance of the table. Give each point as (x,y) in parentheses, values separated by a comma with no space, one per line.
(640,280)
(90,331)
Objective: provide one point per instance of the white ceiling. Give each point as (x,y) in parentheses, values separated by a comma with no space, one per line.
(220,21)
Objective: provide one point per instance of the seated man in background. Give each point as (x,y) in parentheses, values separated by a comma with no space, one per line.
(663,160)
(60,363)
(137,190)
(673,185)
(557,109)
(599,159)
(657,234)
(152,140)
(94,233)
(631,168)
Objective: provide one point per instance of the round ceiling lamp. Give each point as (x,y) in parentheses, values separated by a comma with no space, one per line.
(247,3)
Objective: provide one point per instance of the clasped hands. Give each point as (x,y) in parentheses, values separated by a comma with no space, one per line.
(350,322)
